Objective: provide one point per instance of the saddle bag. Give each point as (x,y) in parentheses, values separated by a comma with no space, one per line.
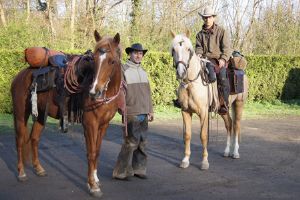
(237,61)
(43,79)
(39,56)
(236,80)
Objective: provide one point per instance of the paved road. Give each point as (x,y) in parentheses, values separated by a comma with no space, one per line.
(269,167)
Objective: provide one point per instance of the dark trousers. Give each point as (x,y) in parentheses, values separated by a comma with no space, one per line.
(132,158)
(223,85)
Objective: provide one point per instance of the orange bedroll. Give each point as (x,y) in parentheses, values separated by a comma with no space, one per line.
(39,56)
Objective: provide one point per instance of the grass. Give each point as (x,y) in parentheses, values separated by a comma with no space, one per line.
(253,110)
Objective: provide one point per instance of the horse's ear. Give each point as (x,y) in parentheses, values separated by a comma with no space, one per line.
(117,38)
(172,33)
(97,36)
(188,33)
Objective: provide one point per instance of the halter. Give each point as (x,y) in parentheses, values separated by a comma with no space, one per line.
(186,65)
(97,97)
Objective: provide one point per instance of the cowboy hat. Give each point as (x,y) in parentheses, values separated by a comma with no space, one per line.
(207,12)
(135,47)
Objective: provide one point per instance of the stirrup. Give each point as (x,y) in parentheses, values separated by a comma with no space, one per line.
(223,110)
(64,124)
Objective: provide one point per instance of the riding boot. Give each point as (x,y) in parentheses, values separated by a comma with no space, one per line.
(224,90)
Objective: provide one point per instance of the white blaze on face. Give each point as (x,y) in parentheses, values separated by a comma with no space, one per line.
(101,58)
(180,68)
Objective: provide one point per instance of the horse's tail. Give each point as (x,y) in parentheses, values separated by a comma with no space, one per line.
(214,97)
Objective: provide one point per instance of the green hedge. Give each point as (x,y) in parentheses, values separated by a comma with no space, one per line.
(270,77)
(273,77)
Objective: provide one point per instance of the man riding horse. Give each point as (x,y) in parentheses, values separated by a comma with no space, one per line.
(212,42)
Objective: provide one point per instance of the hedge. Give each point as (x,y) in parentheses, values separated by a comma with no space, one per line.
(270,77)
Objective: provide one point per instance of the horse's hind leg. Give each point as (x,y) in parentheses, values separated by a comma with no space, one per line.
(187,134)
(22,147)
(37,128)
(237,117)
(228,126)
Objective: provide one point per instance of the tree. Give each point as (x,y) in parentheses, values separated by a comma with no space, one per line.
(2,15)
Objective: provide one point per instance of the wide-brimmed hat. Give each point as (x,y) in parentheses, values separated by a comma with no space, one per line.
(135,47)
(207,12)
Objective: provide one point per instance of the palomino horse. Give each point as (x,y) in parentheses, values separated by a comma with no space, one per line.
(195,96)
(99,101)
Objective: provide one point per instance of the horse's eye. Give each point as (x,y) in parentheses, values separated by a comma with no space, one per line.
(102,51)
(173,52)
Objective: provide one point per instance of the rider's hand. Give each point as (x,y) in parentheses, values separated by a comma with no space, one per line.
(221,63)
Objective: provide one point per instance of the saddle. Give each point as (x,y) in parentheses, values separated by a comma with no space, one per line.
(52,76)
(235,72)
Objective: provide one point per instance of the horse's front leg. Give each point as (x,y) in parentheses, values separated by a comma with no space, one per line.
(91,134)
(237,110)
(228,126)
(204,139)
(36,131)
(187,134)
(102,132)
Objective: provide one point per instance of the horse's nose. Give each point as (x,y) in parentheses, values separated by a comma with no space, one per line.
(180,72)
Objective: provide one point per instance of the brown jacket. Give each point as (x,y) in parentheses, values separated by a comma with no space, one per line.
(214,43)
(138,93)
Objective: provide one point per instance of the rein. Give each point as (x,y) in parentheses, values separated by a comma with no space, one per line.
(201,73)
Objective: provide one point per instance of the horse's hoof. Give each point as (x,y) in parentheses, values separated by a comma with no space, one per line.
(184,164)
(22,178)
(226,154)
(41,173)
(97,194)
(95,191)
(204,165)
(236,156)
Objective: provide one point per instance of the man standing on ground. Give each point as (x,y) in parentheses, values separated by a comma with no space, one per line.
(132,159)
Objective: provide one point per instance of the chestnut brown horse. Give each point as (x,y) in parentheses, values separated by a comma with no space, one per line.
(195,96)
(99,101)
(102,102)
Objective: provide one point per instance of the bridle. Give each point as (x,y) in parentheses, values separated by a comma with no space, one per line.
(186,65)
(99,93)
